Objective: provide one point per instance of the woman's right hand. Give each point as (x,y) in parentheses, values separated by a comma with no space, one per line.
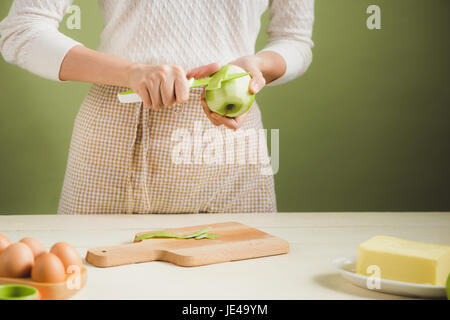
(164,85)
(159,86)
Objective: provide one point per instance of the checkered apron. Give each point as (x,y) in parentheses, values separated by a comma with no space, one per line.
(121,160)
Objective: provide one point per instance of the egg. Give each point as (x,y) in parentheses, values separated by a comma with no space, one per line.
(48,268)
(4,242)
(16,261)
(67,254)
(35,245)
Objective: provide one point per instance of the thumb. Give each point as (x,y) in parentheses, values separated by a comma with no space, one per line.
(203,71)
(258,82)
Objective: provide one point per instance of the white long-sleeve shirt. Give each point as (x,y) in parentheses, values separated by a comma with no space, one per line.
(188,33)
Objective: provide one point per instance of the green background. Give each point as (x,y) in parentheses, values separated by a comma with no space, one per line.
(365,129)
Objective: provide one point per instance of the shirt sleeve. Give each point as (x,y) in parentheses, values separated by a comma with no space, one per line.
(290,32)
(29,36)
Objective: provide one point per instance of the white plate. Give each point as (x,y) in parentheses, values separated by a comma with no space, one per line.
(346,267)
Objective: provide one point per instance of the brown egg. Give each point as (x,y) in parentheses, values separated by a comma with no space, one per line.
(48,268)
(4,242)
(16,261)
(67,254)
(35,245)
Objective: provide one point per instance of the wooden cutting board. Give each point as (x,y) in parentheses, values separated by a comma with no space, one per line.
(236,241)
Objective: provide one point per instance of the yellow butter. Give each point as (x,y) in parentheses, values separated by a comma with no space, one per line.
(403,260)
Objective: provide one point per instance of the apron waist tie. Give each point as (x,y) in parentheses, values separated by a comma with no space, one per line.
(130,156)
(146,146)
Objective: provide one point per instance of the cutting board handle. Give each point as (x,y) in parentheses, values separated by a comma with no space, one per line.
(123,254)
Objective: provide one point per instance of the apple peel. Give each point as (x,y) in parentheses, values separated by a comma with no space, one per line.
(198,235)
(228,93)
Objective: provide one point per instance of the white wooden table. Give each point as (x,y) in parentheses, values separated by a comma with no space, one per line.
(304,273)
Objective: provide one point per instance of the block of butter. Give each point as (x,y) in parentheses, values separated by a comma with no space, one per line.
(403,260)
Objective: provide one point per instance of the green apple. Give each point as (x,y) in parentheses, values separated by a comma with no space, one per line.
(226,97)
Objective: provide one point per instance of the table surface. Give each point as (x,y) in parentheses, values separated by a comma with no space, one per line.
(304,273)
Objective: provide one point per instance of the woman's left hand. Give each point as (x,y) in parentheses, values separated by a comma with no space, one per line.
(250,64)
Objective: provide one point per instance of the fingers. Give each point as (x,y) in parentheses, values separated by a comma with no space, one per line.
(218,120)
(208,112)
(211,117)
(230,123)
(168,92)
(145,96)
(166,77)
(233,123)
(203,71)
(240,120)
(160,86)
(258,81)
(181,90)
(154,88)
(251,64)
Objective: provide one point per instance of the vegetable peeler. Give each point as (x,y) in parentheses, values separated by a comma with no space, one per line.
(131,97)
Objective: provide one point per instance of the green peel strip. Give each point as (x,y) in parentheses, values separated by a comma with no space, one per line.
(200,234)
(217,78)
(200,82)
(197,233)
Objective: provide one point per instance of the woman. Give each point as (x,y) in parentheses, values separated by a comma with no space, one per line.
(120,154)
